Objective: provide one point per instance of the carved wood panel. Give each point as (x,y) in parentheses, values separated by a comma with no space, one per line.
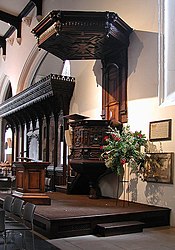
(87,139)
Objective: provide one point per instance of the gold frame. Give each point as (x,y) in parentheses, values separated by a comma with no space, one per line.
(159,168)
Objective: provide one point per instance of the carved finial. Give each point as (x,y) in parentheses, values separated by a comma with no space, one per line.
(18,39)
(27,20)
(10,40)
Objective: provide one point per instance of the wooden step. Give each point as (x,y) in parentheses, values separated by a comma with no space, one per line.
(118,228)
(61,188)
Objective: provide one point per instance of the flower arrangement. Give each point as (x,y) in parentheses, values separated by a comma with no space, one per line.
(122,147)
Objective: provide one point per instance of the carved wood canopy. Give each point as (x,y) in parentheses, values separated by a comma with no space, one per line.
(77,35)
(81,35)
(49,95)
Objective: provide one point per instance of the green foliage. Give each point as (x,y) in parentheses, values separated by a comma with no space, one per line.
(120,148)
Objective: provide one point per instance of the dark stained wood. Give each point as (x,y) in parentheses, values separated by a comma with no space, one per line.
(13,144)
(76,215)
(114,93)
(43,100)
(118,228)
(81,35)
(45,93)
(30,182)
(40,137)
(77,35)
(47,137)
(19,179)
(30,176)
(17,142)
(83,214)
(87,137)
(35,183)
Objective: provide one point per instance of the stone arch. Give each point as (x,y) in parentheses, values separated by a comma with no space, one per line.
(5,89)
(5,93)
(30,68)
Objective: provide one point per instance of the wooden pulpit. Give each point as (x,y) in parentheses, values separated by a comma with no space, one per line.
(30,182)
(87,139)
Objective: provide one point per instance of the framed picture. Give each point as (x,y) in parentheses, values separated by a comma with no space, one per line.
(160,130)
(159,167)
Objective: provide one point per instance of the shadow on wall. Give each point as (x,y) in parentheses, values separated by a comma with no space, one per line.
(143,65)
(133,189)
(109,185)
(153,193)
(97,69)
(134,51)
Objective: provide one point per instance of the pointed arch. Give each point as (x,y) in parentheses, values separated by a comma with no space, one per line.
(5,88)
(30,68)
(5,93)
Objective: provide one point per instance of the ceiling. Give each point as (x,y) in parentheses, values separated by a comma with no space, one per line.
(11,14)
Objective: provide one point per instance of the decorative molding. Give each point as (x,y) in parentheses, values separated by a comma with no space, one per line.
(19,40)
(85,35)
(52,86)
(27,20)
(15,21)
(10,40)
(98,34)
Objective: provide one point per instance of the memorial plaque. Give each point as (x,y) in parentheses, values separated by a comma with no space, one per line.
(160,130)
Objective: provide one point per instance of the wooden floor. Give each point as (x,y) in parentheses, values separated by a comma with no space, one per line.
(75,215)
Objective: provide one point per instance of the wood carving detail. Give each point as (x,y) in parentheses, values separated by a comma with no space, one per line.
(82,35)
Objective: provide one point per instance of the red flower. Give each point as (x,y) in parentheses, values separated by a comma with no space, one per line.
(106,138)
(116,138)
(101,147)
(123,161)
(140,135)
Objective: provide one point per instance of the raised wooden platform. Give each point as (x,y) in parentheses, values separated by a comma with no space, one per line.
(75,215)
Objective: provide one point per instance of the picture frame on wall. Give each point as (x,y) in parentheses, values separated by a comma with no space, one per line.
(159,167)
(160,130)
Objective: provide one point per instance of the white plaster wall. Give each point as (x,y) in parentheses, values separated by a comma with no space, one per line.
(144,107)
(138,14)
(17,54)
(88,84)
(143,103)
(87,95)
